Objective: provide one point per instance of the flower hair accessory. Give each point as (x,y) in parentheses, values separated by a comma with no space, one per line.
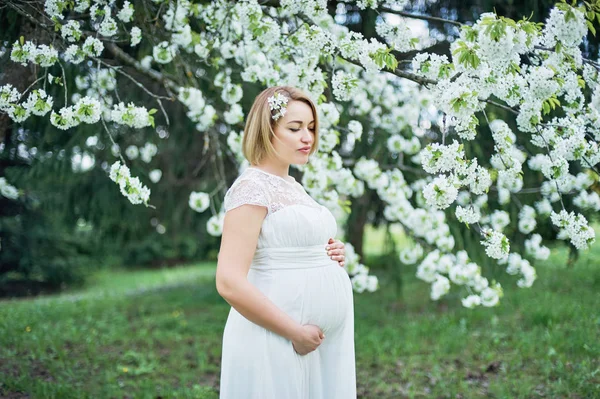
(278,102)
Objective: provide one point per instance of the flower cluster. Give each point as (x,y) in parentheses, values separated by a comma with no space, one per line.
(86,109)
(43,55)
(8,190)
(131,115)
(199,201)
(131,187)
(71,31)
(496,244)
(515,264)
(359,273)
(534,248)
(126,13)
(439,158)
(431,66)
(567,27)
(136,36)
(164,52)
(278,103)
(398,37)
(468,215)
(214,225)
(574,227)
(441,192)
(344,85)
(534,69)
(527,221)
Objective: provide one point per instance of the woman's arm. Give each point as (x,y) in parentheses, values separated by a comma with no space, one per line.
(241,228)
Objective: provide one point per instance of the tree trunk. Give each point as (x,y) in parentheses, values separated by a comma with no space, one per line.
(356,223)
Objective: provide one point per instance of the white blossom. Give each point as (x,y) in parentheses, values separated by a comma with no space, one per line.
(38,102)
(214,225)
(88,110)
(8,96)
(132,152)
(93,47)
(136,36)
(440,287)
(8,190)
(130,187)
(344,85)
(164,52)
(496,244)
(468,215)
(130,115)
(199,201)
(126,13)
(155,175)
(71,31)
(440,193)
(471,301)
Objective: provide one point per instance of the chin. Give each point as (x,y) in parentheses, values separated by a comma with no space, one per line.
(302,161)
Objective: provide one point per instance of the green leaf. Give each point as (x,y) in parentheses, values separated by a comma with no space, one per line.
(470,33)
(546,108)
(152,111)
(591,28)
(391,61)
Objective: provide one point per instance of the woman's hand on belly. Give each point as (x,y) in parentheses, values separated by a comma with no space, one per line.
(335,250)
(308,338)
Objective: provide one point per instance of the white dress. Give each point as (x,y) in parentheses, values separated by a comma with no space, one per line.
(292,268)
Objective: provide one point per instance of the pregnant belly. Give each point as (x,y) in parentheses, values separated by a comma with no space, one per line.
(319,295)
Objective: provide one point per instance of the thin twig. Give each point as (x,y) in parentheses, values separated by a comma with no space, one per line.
(64,82)
(30,86)
(112,140)
(140,85)
(421,17)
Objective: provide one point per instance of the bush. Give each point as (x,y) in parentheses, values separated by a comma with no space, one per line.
(38,255)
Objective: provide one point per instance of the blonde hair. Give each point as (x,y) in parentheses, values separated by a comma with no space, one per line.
(259,129)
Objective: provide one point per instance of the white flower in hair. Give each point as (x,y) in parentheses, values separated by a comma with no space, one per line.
(278,103)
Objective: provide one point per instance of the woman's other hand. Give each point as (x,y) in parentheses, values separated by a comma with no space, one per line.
(335,250)
(308,338)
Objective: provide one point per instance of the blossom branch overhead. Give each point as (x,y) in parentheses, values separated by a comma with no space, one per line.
(364,95)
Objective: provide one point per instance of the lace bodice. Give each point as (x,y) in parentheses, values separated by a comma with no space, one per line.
(294,219)
(257,187)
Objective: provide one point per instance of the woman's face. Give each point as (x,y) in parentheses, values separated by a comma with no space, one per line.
(295,133)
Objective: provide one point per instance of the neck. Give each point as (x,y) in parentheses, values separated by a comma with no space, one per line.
(274,167)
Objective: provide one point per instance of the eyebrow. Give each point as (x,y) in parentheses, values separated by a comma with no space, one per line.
(301,122)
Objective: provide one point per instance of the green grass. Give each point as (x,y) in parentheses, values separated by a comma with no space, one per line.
(150,334)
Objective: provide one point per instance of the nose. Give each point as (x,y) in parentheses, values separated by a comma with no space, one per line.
(307,136)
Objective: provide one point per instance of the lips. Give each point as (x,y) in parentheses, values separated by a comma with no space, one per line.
(305,149)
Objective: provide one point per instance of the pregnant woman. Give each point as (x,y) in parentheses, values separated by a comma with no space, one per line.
(290,331)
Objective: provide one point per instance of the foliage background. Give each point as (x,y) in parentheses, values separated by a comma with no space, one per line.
(72,221)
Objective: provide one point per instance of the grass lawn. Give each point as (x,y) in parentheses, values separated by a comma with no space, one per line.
(157,334)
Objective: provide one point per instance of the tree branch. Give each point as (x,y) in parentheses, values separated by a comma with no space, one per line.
(421,17)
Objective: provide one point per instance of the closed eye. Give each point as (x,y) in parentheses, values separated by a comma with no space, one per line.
(312,129)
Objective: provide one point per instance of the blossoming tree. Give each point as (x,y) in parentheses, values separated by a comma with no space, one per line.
(428,109)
